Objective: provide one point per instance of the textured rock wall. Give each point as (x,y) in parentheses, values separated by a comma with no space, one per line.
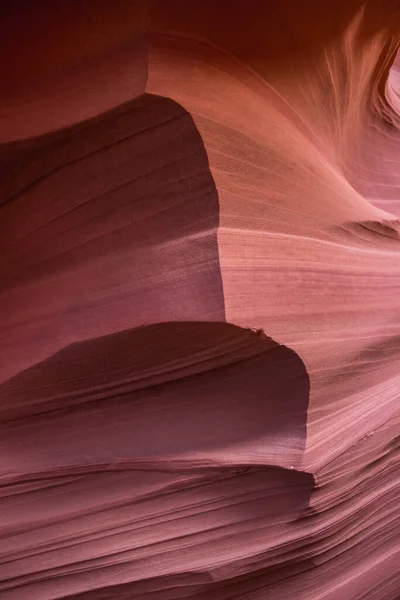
(200,300)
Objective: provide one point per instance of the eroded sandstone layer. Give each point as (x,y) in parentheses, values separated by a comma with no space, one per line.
(200,300)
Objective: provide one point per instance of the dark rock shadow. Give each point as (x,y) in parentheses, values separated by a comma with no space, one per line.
(214,385)
(107,225)
(218,409)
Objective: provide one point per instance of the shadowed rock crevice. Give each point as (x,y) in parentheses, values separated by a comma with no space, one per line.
(181,393)
(122,231)
(131,445)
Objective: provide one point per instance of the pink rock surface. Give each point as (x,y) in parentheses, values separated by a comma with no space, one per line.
(199,300)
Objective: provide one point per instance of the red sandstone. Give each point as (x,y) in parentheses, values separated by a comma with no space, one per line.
(199,303)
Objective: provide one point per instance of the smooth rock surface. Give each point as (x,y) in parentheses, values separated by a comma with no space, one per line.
(200,300)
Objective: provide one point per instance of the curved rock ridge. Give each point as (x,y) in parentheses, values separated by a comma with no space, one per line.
(199,300)
(128,445)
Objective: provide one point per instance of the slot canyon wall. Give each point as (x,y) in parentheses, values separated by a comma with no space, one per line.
(200,300)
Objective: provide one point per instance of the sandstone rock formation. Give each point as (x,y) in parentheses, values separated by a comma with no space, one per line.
(200,300)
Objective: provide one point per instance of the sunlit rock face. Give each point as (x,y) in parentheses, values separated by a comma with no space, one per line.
(200,300)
